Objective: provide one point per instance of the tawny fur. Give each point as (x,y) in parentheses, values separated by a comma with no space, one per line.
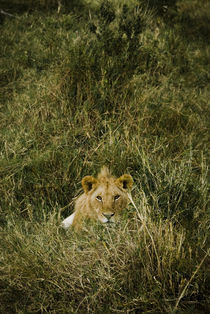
(103,199)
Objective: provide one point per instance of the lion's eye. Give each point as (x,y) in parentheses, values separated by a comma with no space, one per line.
(99,198)
(116,197)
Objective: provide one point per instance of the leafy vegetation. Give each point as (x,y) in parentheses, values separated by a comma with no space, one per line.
(117,83)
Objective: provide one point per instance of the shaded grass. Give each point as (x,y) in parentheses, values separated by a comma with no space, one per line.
(70,103)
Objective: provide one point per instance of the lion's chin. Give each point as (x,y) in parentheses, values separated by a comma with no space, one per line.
(104,220)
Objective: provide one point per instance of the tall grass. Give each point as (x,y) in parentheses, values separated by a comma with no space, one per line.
(121,83)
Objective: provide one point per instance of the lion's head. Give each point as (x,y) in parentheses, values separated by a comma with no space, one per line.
(106,196)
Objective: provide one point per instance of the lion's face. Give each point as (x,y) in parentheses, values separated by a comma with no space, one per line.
(107,196)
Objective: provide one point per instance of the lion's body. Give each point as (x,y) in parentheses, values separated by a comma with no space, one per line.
(103,199)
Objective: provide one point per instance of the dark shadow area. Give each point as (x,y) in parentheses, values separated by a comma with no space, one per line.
(195,28)
(21,6)
(192,26)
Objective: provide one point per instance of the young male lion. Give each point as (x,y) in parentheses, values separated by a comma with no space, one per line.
(103,199)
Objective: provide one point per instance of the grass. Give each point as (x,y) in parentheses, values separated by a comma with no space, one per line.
(122,84)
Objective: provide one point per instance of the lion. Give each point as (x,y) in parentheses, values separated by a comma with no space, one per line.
(103,199)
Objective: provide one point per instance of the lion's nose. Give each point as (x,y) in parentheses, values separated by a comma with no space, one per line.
(108,216)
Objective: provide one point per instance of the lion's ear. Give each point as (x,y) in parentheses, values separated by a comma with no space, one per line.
(88,183)
(125,181)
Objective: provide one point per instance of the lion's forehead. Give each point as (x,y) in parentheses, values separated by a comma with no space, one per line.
(107,190)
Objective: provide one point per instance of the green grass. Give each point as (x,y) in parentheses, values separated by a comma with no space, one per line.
(122,84)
